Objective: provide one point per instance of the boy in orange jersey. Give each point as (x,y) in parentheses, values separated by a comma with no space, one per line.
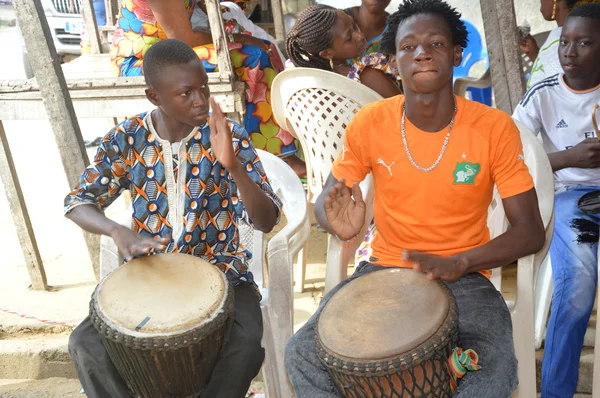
(435,159)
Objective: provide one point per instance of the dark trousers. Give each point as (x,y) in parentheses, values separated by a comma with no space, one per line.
(240,361)
(484,325)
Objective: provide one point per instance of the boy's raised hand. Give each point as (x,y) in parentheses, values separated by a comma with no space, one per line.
(220,137)
(345,214)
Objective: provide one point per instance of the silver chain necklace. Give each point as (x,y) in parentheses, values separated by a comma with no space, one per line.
(437,161)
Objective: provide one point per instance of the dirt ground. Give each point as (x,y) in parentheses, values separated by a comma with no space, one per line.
(46,388)
(55,388)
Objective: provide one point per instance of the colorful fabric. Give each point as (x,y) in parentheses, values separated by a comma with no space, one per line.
(484,151)
(178,190)
(137,29)
(372,45)
(373,60)
(459,363)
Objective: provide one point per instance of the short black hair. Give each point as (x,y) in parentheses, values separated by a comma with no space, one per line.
(572,4)
(311,34)
(166,53)
(414,7)
(586,10)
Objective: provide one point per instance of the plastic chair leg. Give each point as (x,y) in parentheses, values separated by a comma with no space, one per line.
(543,299)
(300,272)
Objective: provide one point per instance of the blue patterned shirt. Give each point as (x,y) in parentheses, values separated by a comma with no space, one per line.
(178,190)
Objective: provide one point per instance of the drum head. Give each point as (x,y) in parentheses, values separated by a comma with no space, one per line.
(161,294)
(383,314)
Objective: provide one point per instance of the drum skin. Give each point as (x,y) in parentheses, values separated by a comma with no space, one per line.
(178,362)
(389,334)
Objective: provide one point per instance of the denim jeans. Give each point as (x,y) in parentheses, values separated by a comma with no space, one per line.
(484,325)
(574,252)
(240,361)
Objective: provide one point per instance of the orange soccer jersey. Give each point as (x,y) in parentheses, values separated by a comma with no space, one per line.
(444,211)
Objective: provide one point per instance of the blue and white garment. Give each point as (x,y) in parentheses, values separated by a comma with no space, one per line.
(563,116)
(178,190)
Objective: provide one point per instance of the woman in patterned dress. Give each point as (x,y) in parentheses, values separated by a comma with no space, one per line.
(142,23)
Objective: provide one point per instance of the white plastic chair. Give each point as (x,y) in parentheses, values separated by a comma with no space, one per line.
(522,310)
(277,301)
(316,106)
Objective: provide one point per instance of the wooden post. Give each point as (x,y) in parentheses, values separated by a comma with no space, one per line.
(215,20)
(20,215)
(112,11)
(278,20)
(502,39)
(57,100)
(91,27)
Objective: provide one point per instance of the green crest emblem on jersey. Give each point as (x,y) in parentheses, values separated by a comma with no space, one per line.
(465,173)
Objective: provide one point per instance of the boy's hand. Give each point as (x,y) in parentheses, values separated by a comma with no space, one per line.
(132,244)
(345,215)
(529,47)
(220,137)
(586,154)
(435,267)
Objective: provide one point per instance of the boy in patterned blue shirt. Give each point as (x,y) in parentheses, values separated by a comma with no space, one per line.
(184,170)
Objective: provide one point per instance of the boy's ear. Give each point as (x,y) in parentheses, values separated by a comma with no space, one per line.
(152,96)
(458,55)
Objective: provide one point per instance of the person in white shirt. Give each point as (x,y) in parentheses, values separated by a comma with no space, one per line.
(545,58)
(562,109)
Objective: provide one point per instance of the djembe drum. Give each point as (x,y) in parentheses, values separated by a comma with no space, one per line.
(389,334)
(164,320)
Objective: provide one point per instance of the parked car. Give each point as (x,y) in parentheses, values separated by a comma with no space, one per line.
(66,25)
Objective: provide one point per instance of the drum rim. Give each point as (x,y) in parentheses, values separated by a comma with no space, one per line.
(118,333)
(447,333)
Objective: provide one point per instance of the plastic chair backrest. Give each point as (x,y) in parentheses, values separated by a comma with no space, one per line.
(288,188)
(474,52)
(316,106)
(537,161)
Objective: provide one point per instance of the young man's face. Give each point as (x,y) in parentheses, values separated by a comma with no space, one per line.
(182,92)
(579,49)
(425,55)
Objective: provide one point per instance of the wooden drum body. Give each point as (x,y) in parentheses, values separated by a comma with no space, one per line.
(389,334)
(164,320)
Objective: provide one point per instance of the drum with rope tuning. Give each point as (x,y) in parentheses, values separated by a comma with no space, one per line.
(164,320)
(389,334)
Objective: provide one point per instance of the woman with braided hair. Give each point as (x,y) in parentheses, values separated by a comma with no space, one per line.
(326,38)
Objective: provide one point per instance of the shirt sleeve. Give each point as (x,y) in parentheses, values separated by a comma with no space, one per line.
(354,162)
(247,155)
(508,168)
(103,181)
(527,112)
